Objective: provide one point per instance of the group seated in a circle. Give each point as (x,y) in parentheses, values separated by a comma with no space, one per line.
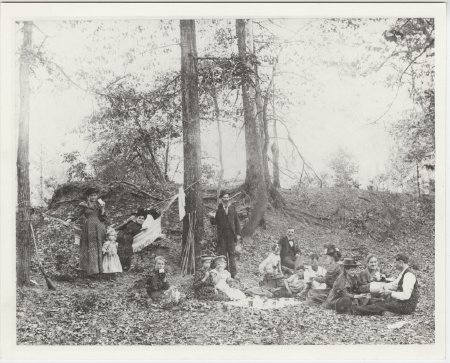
(343,286)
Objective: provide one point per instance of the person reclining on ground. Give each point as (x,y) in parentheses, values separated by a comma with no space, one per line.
(399,296)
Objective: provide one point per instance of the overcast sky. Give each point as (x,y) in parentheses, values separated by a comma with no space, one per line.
(331,107)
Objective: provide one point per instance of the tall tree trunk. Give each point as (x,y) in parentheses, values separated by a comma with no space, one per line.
(191,134)
(23,236)
(254,181)
(219,131)
(274,147)
(166,159)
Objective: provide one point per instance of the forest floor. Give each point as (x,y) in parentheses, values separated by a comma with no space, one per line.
(108,312)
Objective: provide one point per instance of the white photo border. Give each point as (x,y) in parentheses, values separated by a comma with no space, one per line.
(12,12)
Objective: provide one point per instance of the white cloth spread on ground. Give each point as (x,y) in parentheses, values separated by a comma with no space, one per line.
(181,203)
(151,230)
(264,303)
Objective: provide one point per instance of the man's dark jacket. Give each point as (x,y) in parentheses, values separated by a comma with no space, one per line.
(287,253)
(224,221)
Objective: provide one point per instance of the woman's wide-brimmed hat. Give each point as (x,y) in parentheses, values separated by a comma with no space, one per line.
(349,262)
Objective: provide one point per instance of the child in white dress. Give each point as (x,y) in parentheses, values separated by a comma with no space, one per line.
(111,261)
(221,277)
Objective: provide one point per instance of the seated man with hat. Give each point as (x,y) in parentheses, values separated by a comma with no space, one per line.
(345,289)
(400,296)
(203,283)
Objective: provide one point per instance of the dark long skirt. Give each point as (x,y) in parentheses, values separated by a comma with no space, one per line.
(91,242)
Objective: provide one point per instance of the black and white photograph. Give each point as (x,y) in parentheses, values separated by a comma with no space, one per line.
(226,180)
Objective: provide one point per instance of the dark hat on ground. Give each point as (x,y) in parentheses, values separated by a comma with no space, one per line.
(402,257)
(223,193)
(91,190)
(343,305)
(331,250)
(349,262)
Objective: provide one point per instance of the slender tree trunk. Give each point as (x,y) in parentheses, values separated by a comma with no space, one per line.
(274,148)
(23,236)
(219,131)
(191,134)
(166,160)
(255,181)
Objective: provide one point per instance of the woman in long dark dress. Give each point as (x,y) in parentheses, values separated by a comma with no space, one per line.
(93,232)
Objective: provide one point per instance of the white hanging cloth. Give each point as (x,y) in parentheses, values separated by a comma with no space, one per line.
(151,230)
(181,203)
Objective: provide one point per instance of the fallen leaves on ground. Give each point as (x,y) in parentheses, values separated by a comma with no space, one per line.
(111,312)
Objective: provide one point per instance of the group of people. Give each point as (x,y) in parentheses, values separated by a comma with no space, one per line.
(340,286)
(105,250)
(284,273)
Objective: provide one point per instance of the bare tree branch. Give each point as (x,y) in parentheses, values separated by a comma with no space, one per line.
(418,56)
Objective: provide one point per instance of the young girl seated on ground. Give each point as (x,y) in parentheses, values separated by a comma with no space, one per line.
(203,283)
(158,287)
(111,263)
(222,277)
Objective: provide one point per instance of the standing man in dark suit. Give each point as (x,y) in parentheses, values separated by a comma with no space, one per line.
(228,231)
(290,253)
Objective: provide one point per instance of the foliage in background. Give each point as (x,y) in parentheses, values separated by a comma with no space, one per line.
(345,169)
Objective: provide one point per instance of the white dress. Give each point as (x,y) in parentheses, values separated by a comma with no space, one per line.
(220,282)
(111,261)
